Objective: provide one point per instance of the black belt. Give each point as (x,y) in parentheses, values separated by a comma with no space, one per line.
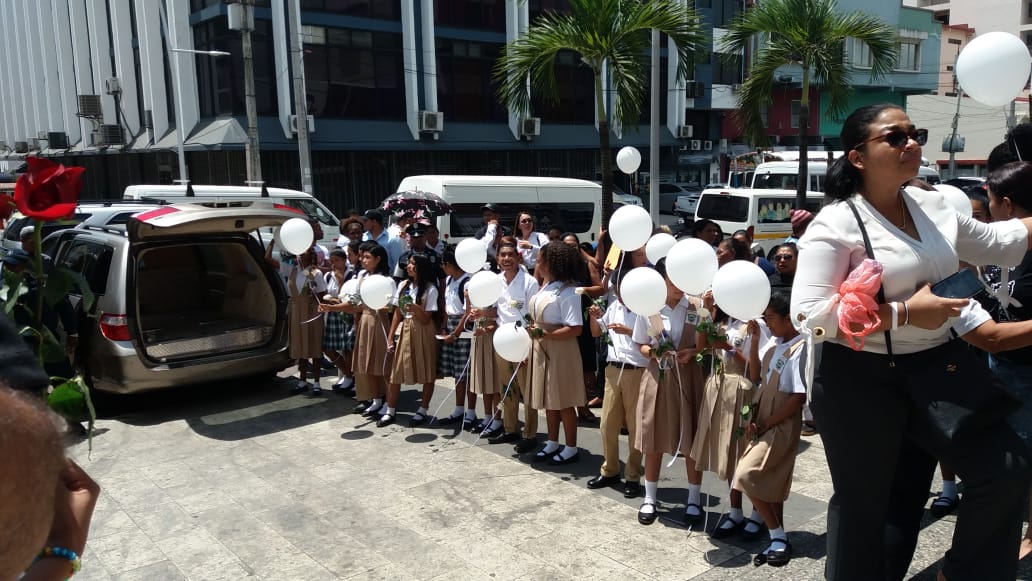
(625,365)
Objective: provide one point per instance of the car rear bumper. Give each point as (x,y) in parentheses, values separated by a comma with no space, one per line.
(120,370)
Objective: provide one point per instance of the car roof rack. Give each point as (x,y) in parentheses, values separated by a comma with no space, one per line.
(120,202)
(109,228)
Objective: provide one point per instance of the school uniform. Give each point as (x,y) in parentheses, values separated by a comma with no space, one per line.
(512,306)
(339,327)
(715,448)
(454,357)
(370,355)
(415,353)
(765,468)
(556,380)
(620,404)
(306,323)
(667,405)
(483,378)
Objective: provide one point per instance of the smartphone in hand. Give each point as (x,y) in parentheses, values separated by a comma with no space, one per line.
(962,284)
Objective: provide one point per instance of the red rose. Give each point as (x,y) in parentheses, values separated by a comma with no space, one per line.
(6,207)
(48,191)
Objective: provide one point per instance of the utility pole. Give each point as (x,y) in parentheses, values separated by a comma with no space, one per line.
(300,97)
(654,133)
(956,120)
(252,147)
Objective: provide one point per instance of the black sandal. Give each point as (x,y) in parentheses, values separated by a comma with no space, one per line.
(693,519)
(943,505)
(779,557)
(748,536)
(647,518)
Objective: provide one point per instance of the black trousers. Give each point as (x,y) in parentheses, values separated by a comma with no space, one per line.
(882,448)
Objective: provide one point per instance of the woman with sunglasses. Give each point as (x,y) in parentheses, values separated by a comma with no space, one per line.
(891,395)
(785,263)
(528,240)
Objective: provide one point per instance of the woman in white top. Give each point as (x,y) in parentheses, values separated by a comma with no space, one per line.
(879,407)
(528,239)
(305,283)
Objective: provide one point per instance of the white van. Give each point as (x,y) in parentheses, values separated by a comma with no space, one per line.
(764,212)
(574,205)
(243,197)
(784,175)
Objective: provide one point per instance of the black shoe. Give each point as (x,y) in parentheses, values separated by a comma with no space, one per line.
(478,427)
(943,505)
(779,557)
(373,410)
(722,532)
(316,390)
(631,490)
(450,420)
(525,445)
(385,420)
(693,519)
(417,420)
(647,518)
(328,365)
(361,407)
(504,438)
(750,536)
(488,432)
(541,455)
(602,481)
(559,460)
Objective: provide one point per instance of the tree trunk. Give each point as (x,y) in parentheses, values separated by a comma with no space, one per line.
(604,151)
(803,178)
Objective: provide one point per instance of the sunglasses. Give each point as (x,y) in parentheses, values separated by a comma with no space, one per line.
(899,138)
(526,221)
(783,257)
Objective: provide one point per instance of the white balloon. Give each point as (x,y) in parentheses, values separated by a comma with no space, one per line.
(630,227)
(993,68)
(350,289)
(377,291)
(628,159)
(741,289)
(296,235)
(691,264)
(484,289)
(658,246)
(956,198)
(643,291)
(471,254)
(512,342)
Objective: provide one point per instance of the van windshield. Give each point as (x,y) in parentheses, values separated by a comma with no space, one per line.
(578,217)
(313,210)
(726,208)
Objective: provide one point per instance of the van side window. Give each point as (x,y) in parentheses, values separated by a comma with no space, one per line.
(773,210)
(723,208)
(312,210)
(91,260)
(466,219)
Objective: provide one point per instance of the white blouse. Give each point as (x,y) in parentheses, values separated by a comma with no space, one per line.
(564,310)
(454,302)
(673,323)
(429,297)
(833,246)
(623,348)
(791,380)
(537,240)
(317,283)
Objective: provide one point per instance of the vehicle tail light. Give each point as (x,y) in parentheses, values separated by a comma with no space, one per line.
(114,327)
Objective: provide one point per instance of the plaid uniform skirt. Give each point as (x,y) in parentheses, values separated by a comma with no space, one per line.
(339,332)
(454,357)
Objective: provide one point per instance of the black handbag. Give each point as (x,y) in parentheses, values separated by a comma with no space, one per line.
(950,386)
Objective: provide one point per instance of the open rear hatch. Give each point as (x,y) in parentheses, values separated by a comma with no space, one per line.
(202,288)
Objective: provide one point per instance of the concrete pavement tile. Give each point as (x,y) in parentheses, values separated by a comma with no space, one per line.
(109,521)
(435,521)
(252,541)
(387,571)
(125,551)
(198,497)
(591,565)
(464,572)
(334,472)
(405,547)
(499,559)
(134,492)
(199,555)
(165,570)
(92,569)
(299,567)
(547,573)
(168,474)
(163,520)
(662,556)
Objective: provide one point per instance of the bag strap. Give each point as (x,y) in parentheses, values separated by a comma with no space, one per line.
(881,288)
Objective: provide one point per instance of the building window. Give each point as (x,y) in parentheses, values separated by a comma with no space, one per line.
(465,91)
(537,8)
(575,86)
(383,9)
(859,54)
(955,41)
(793,117)
(356,74)
(478,14)
(908,56)
(220,80)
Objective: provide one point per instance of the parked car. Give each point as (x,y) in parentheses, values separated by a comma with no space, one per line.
(627,199)
(101,213)
(669,192)
(685,206)
(183,295)
(965,181)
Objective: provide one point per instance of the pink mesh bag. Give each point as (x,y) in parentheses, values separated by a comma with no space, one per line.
(857,302)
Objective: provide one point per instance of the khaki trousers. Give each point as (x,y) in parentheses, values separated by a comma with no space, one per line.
(510,404)
(619,406)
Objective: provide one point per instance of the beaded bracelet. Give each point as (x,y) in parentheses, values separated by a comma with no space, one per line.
(62,553)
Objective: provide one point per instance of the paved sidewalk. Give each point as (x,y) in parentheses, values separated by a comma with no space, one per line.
(250,482)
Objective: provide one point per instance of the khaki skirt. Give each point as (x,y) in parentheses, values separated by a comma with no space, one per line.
(556,379)
(415,355)
(715,447)
(370,355)
(306,327)
(667,411)
(483,378)
(765,469)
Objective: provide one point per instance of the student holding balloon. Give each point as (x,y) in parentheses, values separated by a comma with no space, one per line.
(305,283)
(339,328)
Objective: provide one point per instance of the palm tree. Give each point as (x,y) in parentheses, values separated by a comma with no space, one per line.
(810,34)
(610,33)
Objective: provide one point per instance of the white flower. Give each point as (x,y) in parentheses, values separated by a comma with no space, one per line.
(704,313)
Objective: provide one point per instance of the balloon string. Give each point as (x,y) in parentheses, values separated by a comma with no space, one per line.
(505,394)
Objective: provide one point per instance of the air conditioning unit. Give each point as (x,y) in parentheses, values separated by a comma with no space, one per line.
(21,146)
(112,86)
(694,89)
(33,143)
(685,131)
(696,144)
(723,145)
(736,87)
(311,123)
(707,145)
(530,127)
(105,135)
(431,121)
(89,106)
(57,140)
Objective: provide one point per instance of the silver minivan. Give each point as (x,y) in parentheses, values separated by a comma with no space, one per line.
(183,295)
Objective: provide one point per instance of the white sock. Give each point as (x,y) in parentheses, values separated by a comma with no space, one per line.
(778,533)
(752,527)
(389,411)
(458,411)
(694,497)
(949,489)
(471,414)
(568,452)
(550,447)
(495,424)
(651,488)
(736,514)
(422,411)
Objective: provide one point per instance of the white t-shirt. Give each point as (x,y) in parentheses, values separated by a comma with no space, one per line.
(565,309)
(673,323)
(317,283)
(537,240)
(971,317)
(454,302)
(429,297)
(833,246)
(738,337)
(519,291)
(791,380)
(623,348)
